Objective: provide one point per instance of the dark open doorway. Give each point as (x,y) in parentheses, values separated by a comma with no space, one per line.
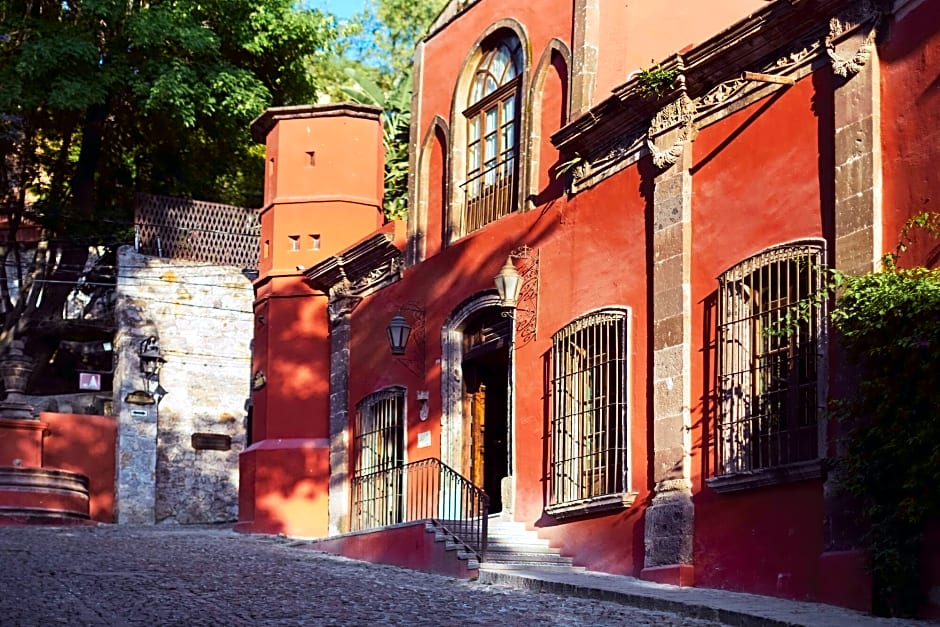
(486,402)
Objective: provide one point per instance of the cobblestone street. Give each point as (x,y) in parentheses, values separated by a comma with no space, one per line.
(112,575)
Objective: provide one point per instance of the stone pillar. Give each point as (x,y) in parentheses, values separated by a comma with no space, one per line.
(858,249)
(135,487)
(669,519)
(585,46)
(858,219)
(340,309)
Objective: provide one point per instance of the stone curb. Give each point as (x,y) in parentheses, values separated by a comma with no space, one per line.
(730,608)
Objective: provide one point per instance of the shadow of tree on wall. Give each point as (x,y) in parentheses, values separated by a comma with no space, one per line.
(195,486)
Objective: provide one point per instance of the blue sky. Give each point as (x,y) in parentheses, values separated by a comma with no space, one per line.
(340,8)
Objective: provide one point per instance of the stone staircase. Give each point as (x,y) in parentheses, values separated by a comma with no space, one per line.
(509,546)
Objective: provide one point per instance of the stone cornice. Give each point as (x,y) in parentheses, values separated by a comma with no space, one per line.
(263,124)
(360,269)
(783,39)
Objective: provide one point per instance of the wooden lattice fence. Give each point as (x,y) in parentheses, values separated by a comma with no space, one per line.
(194,230)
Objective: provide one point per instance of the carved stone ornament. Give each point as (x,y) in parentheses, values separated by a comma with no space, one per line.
(622,149)
(726,92)
(341,308)
(389,270)
(860,13)
(681,112)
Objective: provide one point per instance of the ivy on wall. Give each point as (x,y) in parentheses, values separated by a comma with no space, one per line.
(889,324)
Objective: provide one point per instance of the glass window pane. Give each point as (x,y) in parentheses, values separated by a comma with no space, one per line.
(509,109)
(473,158)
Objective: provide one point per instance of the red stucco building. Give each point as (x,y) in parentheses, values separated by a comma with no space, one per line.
(629,407)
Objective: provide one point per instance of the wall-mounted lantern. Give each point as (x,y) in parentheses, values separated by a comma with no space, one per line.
(398,331)
(508,284)
(150,359)
(515,287)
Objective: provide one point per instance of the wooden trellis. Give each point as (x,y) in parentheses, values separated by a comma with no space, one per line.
(194,230)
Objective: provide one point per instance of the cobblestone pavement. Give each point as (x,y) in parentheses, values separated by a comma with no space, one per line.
(118,575)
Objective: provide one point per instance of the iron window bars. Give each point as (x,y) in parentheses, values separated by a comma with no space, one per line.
(589,407)
(379,447)
(770,332)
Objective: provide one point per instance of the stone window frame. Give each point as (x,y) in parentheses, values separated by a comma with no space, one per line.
(795,452)
(589,327)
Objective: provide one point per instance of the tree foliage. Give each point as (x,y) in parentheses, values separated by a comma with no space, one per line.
(889,324)
(105,98)
(380,50)
(389,30)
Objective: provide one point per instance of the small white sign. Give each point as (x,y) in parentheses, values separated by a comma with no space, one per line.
(424,439)
(89,381)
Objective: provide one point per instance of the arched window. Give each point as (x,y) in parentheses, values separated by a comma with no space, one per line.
(492,115)
(590,430)
(770,361)
(379,453)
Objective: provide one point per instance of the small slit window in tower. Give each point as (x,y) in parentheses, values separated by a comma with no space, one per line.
(294,242)
(311,158)
(315,241)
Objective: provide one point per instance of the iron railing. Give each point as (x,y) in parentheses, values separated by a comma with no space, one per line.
(423,490)
(490,195)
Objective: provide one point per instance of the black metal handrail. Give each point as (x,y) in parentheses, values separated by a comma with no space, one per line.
(490,194)
(427,489)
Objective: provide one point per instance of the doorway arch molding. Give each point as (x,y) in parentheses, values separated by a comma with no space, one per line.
(452,436)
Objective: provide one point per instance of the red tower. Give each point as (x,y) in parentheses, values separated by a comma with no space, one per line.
(323,192)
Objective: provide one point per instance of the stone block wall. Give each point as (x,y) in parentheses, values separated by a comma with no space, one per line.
(201,315)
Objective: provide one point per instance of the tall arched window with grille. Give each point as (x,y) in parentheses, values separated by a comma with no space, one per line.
(492,116)
(379,453)
(771,365)
(590,434)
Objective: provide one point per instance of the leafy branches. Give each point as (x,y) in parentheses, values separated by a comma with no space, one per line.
(655,81)
(889,324)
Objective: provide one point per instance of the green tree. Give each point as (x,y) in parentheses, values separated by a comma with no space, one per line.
(379,54)
(105,98)
(390,30)
(888,323)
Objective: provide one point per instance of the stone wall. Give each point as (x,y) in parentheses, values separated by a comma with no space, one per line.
(201,315)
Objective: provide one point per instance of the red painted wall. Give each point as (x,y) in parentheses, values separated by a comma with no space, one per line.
(910,126)
(756,184)
(284,487)
(408,546)
(84,444)
(323,192)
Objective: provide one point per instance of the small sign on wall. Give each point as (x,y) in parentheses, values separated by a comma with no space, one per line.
(89,381)
(424,439)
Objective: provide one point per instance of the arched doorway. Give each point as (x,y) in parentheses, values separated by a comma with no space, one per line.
(477,419)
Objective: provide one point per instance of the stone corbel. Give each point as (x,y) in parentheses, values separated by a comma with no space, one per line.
(679,113)
(867,12)
(342,302)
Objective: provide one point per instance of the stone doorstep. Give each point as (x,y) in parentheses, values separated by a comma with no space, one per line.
(730,608)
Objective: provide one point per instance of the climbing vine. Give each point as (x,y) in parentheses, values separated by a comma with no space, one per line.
(889,324)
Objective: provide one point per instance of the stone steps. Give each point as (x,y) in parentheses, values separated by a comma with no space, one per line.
(509,546)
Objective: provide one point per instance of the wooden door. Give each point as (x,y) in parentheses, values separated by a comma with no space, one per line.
(477,432)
